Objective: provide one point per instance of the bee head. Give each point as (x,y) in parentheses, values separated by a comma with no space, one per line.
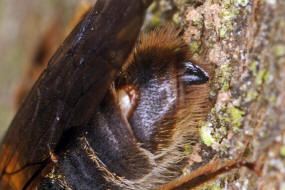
(160,72)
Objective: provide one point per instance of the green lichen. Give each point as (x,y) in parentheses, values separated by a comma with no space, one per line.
(282,23)
(224,77)
(279,50)
(226,86)
(198,23)
(223,32)
(187,149)
(206,136)
(260,76)
(194,47)
(224,118)
(272,99)
(176,18)
(282,151)
(251,95)
(253,67)
(226,68)
(267,77)
(215,187)
(212,187)
(227,3)
(237,117)
(156,19)
(231,9)
(229,13)
(220,133)
(160,13)
(152,7)
(219,118)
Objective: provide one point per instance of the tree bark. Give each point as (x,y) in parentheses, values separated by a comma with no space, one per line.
(243,41)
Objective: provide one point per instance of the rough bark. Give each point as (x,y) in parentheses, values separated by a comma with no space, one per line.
(244,43)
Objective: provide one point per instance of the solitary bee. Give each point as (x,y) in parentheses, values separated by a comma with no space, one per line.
(105,115)
(136,139)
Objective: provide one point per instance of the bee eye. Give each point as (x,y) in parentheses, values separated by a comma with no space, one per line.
(193,74)
(128,99)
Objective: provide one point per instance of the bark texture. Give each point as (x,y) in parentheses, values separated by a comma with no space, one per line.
(243,41)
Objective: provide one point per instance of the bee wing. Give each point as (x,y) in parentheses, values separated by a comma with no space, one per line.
(68,92)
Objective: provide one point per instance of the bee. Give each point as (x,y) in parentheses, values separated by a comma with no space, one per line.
(105,115)
(136,138)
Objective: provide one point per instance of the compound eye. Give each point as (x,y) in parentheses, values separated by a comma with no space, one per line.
(193,74)
(128,98)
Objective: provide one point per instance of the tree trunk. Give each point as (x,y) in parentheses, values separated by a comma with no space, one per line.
(243,41)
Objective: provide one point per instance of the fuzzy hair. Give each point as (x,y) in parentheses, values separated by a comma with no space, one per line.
(169,161)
